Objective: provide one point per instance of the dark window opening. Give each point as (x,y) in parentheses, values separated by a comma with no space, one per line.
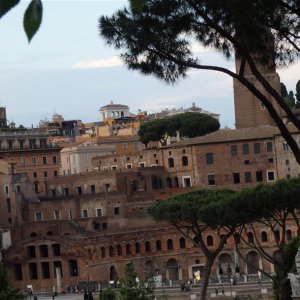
(182,243)
(58,268)
(119,250)
(18,272)
(45,270)
(56,249)
(170,244)
(245,149)
(209,158)
(31,251)
(233,150)
(117,210)
(73,267)
(103,252)
(128,249)
(158,245)
(256,148)
(111,251)
(247,177)
(43,251)
(250,237)
(93,189)
(211,180)
(264,236)
(33,275)
(171,162)
(185,161)
(209,240)
(137,248)
(236,178)
(79,190)
(147,246)
(259,176)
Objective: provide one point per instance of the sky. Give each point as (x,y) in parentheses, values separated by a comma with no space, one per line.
(68,69)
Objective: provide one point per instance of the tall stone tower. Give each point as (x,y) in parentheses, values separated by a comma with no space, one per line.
(249,111)
(3,120)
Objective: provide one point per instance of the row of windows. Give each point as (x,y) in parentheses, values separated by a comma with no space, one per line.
(84,213)
(24,160)
(264,236)
(246,148)
(137,248)
(184,161)
(43,251)
(44,269)
(271,176)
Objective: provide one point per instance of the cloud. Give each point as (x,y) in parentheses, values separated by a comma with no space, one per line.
(99,63)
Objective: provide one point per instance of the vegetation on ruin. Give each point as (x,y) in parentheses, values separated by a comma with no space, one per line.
(187,124)
(156,38)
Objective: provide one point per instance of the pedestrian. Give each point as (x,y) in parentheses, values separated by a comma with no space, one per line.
(223,292)
(217,291)
(53,296)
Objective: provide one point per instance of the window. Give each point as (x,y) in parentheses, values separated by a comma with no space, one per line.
(85,213)
(79,190)
(277,235)
(136,145)
(22,161)
(128,166)
(44,160)
(18,272)
(247,177)
(209,158)
(147,246)
(128,158)
(185,161)
(93,189)
(113,168)
(54,159)
(142,165)
(262,106)
(289,235)
(98,212)
(182,243)
(245,149)
(171,162)
(250,237)
(117,210)
(270,160)
(128,249)
(236,178)
(119,249)
(125,146)
(32,271)
(270,175)
(209,240)
(103,252)
(247,162)
(56,249)
(55,173)
(66,192)
(111,251)
(287,162)
(269,146)
(39,216)
(53,193)
(259,176)
(8,204)
(36,187)
(56,215)
(158,245)
(263,236)
(43,251)
(233,150)
(6,189)
(256,148)
(170,244)
(285,146)
(211,180)
(186,180)
(45,174)
(73,267)
(107,187)
(137,247)
(33,160)
(31,252)
(34,174)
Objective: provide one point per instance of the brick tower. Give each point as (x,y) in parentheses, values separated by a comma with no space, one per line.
(249,111)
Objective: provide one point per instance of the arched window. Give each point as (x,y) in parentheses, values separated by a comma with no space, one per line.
(250,237)
(147,246)
(49,233)
(263,236)
(103,252)
(111,251)
(171,162)
(210,240)
(128,249)
(182,243)
(33,234)
(185,161)
(222,236)
(196,241)
(158,245)
(277,235)
(137,247)
(170,244)
(119,249)
(289,235)
(104,226)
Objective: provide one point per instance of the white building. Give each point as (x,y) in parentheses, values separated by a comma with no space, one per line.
(78,159)
(114,111)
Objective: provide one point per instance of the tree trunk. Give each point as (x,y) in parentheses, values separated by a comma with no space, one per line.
(207,270)
(283,288)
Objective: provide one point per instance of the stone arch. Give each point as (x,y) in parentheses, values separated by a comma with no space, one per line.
(226,265)
(112,273)
(252,260)
(149,269)
(172,269)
